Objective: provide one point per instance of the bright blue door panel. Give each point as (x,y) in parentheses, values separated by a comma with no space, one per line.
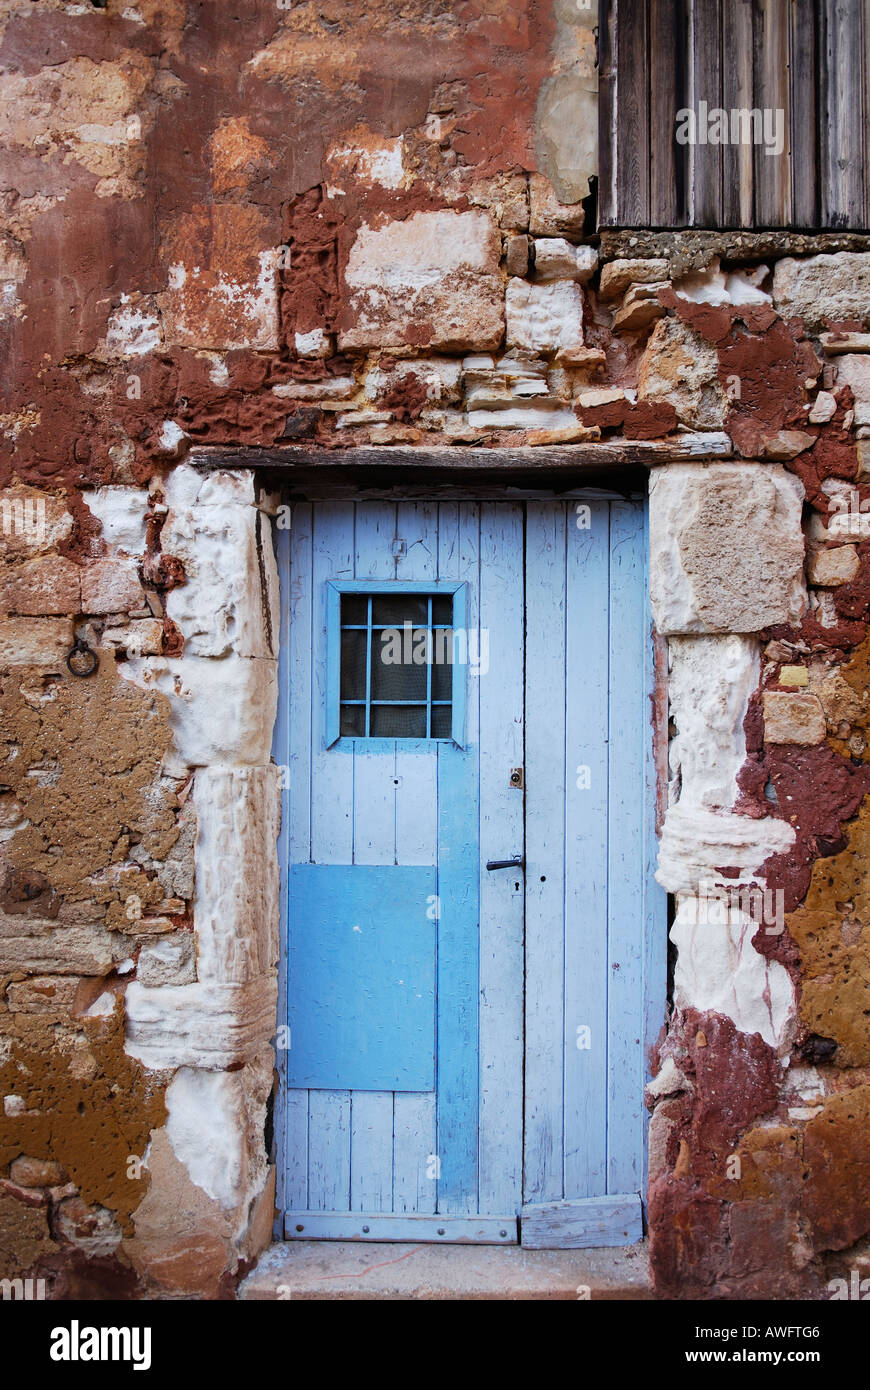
(362,977)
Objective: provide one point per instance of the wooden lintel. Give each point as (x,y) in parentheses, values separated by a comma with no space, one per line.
(598,457)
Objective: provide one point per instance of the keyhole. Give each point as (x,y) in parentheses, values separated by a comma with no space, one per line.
(543,878)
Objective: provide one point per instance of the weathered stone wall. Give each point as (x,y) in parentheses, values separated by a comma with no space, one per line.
(344,224)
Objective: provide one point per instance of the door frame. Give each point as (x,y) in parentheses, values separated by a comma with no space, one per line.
(654,916)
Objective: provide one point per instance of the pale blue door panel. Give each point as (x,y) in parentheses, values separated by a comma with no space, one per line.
(362,977)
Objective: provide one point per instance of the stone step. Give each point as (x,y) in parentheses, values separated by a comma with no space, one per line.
(312,1269)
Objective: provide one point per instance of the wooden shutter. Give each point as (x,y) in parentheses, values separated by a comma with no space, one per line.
(808,58)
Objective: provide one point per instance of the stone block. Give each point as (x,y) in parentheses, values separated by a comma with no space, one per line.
(793,718)
(31,522)
(431,280)
(639,309)
(726,548)
(35,1172)
(557,259)
(787,444)
(167,961)
(545,318)
(44,585)
(824,408)
(816,288)
(854,370)
(42,994)
(111,586)
(830,568)
(550,217)
(616,276)
(516,254)
(142,637)
(82,950)
(680,368)
(36,641)
(794,676)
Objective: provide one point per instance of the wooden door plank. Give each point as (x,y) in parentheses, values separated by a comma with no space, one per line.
(629,724)
(582,1225)
(414,1152)
(371,1151)
(331,839)
(295,1151)
(374,819)
(416,803)
(773,201)
(706,158)
(633,134)
(458,967)
(669,161)
(738,165)
(803,84)
(331,769)
(300,679)
(300,646)
(329,1150)
(842,123)
(545,839)
(501,836)
(585,957)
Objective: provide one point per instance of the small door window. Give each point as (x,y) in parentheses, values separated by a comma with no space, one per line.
(399,658)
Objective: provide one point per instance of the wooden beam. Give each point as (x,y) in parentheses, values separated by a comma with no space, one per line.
(613,454)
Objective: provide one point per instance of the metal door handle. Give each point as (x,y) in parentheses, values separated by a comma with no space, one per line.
(518,862)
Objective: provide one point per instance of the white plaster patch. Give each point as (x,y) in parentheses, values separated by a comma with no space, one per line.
(213,1026)
(211,1125)
(227,553)
(378,162)
(710,684)
(121,512)
(236,903)
(719,970)
(696,843)
(133,330)
(715,286)
(220,711)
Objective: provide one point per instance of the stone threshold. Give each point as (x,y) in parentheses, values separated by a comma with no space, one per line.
(325,1269)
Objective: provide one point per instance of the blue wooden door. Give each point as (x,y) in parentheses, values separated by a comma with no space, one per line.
(445,678)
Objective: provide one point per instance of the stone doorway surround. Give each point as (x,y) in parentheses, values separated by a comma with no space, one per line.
(727,558)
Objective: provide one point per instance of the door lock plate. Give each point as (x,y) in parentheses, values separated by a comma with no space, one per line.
(517,779)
